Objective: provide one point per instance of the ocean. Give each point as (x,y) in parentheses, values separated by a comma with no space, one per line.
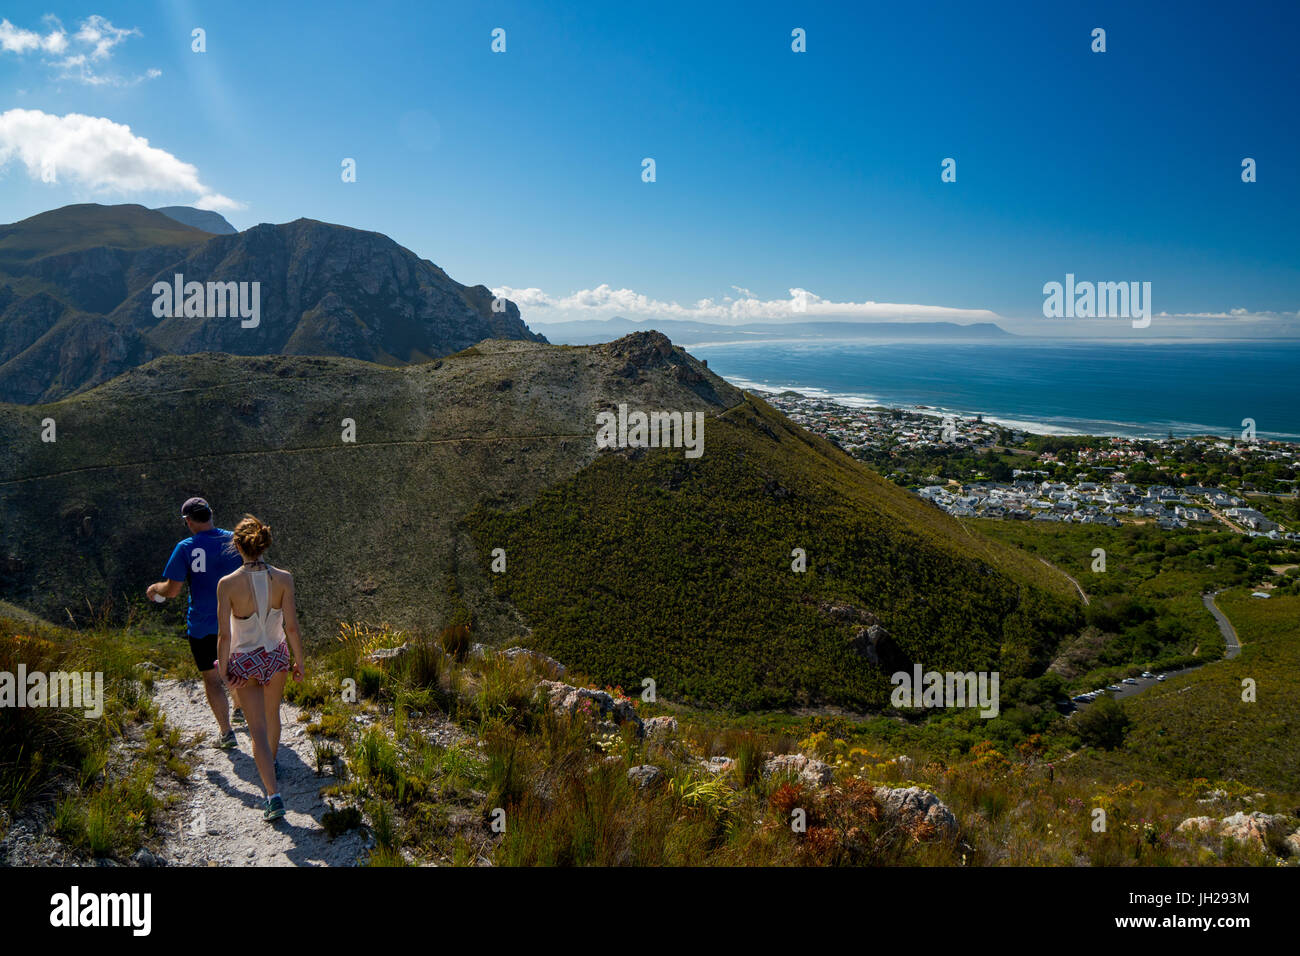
(1057,388)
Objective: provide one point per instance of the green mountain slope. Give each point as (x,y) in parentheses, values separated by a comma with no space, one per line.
(89,226)
(1199,725)
(85,258)
(657,566)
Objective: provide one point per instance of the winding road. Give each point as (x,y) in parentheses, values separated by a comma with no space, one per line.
(1231,643)
(1232,647)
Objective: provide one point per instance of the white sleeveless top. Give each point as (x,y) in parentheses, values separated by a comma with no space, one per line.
(263,630)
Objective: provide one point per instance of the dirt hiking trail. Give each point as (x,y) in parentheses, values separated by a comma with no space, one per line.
(218,821)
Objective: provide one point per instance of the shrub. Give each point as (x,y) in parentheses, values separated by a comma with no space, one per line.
(338,822)
(329,725)
(504,771)
(376,759)
(1103,724)
(455,640)
(750,758)
(370,680)
(423,665)
(786,798)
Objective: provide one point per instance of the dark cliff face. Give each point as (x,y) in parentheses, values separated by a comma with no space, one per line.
(327,290)
(97,280)
(73,315)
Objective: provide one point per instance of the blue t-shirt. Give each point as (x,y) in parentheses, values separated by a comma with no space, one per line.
(203,560)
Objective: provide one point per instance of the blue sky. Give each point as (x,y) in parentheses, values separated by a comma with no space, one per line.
(775,170)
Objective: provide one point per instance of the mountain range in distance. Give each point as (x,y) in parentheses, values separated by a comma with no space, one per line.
(688,333)
(204,219)
(77,300)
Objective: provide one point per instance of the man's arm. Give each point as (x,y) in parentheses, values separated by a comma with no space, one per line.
(166,589)
(174,575)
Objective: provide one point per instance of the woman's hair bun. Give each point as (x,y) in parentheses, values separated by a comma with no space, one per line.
(252,537)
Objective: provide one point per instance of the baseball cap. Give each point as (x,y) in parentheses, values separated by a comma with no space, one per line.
(196,508)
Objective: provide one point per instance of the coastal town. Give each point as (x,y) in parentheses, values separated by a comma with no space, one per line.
(972,468)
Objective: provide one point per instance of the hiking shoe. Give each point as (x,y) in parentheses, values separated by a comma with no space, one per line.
(238,717)
(274,808)
(227,741)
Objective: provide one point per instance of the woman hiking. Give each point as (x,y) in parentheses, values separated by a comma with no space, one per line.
(258,624)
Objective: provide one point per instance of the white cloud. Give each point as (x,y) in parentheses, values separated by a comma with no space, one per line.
(217,203)
(79,56)
(98,33)
(17,40)
(97,154)
(802,305)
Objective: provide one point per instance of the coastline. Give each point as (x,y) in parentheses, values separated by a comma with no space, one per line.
(1138,430)
(1133,393)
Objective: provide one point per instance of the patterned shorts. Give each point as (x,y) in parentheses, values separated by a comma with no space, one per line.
(260,665)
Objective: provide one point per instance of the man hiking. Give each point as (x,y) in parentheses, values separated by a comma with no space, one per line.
(202,559)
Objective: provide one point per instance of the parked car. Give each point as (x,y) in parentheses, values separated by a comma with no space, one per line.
(1161,677)
(1114,687)
(1130,680)
(1148,675)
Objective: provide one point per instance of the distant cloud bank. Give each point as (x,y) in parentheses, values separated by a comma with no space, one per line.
(605,302)
(1234,324)
(99,155)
